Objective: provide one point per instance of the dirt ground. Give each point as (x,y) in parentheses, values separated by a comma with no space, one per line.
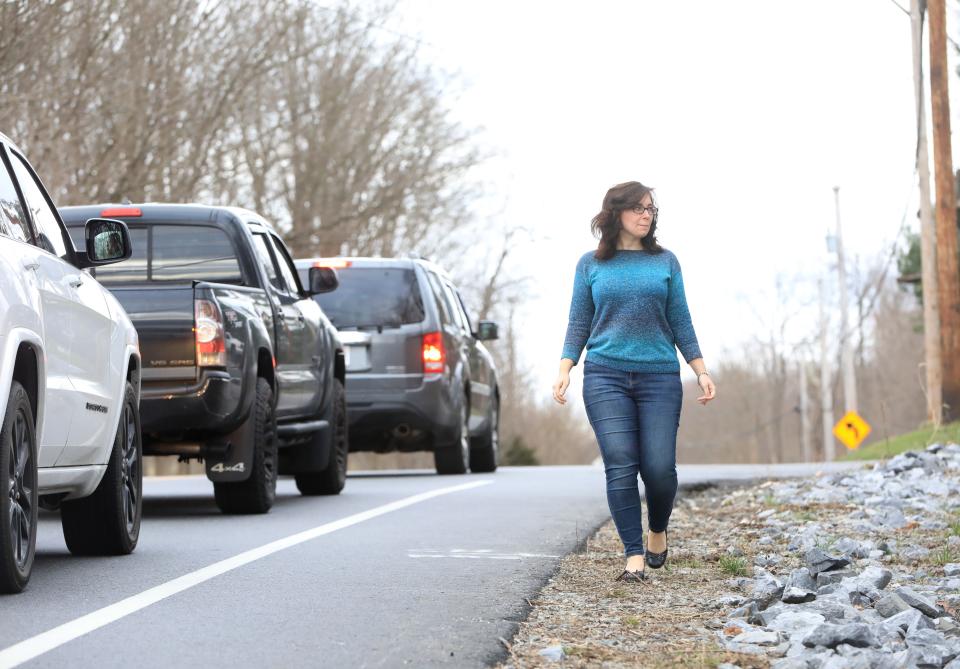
(665,622)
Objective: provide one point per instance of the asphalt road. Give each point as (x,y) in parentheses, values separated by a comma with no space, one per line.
(403,568)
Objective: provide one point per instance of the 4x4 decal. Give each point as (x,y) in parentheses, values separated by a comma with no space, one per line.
(220,468)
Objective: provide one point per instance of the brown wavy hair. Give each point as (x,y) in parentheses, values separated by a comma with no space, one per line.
(606,225)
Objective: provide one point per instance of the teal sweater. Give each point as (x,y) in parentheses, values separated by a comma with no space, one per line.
(630,312)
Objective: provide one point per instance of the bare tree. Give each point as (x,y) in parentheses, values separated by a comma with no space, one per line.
(134,98)
(757,401)
(321,118)
(775,315)
(363,156)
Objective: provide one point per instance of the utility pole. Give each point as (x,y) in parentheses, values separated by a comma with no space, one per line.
(826,389)
(947,270)
(846,338)
(805,414)
(928,231)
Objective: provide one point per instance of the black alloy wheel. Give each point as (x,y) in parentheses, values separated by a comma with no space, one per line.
(108,521)
(18,503)
(131,470)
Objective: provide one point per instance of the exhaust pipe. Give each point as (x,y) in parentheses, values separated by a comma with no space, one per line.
(402,431)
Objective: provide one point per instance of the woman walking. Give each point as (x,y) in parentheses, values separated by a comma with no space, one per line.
(630,312)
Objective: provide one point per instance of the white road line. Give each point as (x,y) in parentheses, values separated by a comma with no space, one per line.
(479,554)
(38,645)
(513,556)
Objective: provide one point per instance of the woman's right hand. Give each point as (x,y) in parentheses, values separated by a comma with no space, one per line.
(560,387)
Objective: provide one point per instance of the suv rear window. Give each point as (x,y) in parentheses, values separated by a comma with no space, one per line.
(172,253)
(371,296)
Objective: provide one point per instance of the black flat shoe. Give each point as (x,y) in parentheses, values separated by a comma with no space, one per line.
(632,576)
(657,560)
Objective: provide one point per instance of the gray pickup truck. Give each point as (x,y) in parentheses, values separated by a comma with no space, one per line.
(241,368)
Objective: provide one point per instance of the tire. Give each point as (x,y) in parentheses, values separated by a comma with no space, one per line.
(18,502)
(455,459)
(108,521)
(485,449)
(332,479)
(257,493)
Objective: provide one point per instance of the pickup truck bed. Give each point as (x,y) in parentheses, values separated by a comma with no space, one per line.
(241,369)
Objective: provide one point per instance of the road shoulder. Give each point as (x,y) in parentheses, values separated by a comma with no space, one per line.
(597,620)
(856,568)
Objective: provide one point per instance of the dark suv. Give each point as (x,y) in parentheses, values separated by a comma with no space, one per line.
(418,376)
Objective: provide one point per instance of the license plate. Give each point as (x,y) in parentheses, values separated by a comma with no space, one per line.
(356,358)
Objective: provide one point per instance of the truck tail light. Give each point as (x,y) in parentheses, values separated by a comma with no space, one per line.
(434,355)
(208,329)
(122,212)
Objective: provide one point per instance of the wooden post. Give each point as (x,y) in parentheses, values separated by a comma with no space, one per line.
(948,275)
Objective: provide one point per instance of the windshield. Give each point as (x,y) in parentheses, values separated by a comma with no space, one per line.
(172,253)
(372,296)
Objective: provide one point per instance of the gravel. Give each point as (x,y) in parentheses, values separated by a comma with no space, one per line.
(884,586)
(859,569)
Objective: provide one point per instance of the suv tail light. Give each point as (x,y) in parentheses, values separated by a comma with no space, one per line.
(333,263)
(434,356)
(208,329)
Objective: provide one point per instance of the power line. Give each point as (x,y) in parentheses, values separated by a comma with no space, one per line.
(897,5)
(907,12)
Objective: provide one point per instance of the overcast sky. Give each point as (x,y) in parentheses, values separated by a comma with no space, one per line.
(742,115)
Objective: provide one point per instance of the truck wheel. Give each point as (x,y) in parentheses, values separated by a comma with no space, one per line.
(256,494)
(332,479)
(18,491)
(108,521)
(485,449)
(456,458)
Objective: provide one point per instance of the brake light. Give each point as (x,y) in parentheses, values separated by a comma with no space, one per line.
(333,264)
(434,355)
(208,331)
(122,212)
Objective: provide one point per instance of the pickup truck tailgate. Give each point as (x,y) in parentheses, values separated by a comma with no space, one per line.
(163,316)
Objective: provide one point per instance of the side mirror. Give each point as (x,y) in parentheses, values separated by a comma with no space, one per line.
(323,280)
(107,240)
(488,331)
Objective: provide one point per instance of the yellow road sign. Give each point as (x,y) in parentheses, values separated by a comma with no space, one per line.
(851,430)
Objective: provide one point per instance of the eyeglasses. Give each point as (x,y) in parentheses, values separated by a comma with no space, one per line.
(638,210)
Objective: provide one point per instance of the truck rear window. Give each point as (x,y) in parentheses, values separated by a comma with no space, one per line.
(371,296)
(172,253)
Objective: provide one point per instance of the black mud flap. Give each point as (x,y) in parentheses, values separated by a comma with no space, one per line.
(231,459)
(311,457)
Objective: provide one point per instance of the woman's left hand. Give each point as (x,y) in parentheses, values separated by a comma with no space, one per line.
(708,387)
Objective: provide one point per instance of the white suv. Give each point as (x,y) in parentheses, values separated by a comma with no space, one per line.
(69,381)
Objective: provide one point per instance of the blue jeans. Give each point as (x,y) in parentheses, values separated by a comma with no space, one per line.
(635,416)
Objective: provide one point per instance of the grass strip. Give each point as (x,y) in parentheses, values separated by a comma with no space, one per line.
(911,441)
